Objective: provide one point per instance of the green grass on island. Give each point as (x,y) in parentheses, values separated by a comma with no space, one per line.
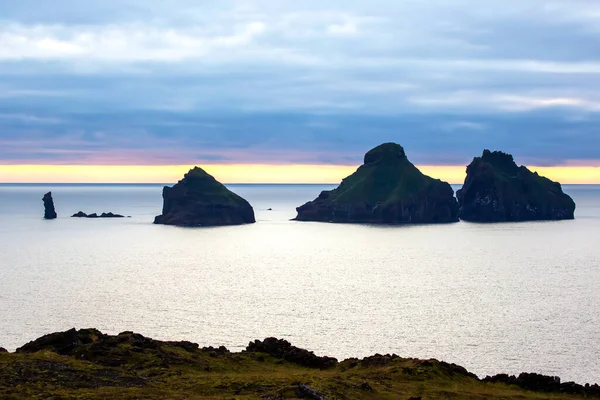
(87,364)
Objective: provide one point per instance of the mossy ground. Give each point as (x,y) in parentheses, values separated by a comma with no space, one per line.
(169,371)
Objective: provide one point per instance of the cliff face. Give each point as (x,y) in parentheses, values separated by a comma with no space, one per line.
(497,190)
(200,200)
(49,211)
(387,189)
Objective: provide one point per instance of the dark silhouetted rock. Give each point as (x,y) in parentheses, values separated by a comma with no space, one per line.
(387,189)
(497,190)
(62,342)
(3,350)
(81,214)
(111,215)
(49,211)
(544,383)
(284,350)
(200,200)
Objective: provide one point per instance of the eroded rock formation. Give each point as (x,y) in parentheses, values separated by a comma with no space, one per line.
(497,190)
(387,189)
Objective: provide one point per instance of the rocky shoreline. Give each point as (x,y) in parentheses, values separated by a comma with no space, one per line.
(89,364)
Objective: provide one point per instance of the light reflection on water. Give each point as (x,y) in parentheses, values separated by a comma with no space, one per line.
(493,298)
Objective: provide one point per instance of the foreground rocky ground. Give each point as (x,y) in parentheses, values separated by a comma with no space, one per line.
(87,364)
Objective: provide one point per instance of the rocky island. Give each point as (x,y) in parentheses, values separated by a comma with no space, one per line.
(497,190)
(81,214)
(387,189)
(88,364)
(49,211)
(200,200)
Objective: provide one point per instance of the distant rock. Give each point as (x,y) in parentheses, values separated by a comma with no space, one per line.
(3,350)
(81,214)
(387,189)
(49,211)
(497,190)
(200,200)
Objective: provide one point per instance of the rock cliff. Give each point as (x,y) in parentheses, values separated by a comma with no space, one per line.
(387,189)
(497,190)
(200,200)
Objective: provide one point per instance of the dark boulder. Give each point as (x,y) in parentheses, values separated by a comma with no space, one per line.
(3,350)
(497,190)
(49,211)
(387,189)
(282,349)
(80,214)
(200,200)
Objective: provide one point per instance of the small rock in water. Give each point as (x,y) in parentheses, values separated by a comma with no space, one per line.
(81,214)
(49,211)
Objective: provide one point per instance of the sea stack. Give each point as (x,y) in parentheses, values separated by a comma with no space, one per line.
(387,189)
(49,211)
(497,190)
(200,200)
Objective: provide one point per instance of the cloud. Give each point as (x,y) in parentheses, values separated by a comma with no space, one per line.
(209,78)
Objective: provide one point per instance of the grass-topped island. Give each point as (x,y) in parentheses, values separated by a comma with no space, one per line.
(88,364)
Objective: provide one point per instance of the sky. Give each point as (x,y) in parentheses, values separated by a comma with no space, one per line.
(266,90)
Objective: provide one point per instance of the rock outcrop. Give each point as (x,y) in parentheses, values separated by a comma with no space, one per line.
(387,189)
(129,365)
(282,349)
(81,214)
(49,211)
(497,190)
(200,200)
(544,383)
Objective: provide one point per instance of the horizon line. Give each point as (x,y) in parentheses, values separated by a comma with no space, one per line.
(315,174)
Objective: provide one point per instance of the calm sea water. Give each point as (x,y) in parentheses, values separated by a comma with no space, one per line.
(493,298)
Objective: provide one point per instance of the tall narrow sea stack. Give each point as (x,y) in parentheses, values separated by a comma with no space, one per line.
(387,189)
(49,211)
(497,190)
(200,200)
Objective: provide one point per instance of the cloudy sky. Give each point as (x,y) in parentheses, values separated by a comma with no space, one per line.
(147,82)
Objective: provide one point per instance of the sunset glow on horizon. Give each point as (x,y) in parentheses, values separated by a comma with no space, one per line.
(248,173)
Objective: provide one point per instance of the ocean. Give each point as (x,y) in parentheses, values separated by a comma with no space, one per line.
(493,298)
